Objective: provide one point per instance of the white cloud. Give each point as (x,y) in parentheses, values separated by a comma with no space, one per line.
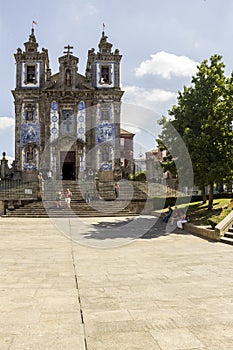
(6,122)
(157,100)
(143,123)
(92,9)
(86,10)
(166,65)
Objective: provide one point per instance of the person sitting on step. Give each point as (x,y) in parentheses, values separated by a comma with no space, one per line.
(168,214)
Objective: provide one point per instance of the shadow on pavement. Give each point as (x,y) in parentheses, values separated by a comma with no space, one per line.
(142,227)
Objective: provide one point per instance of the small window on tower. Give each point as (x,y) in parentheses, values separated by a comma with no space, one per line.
(30,111)
(31,74)
(105,115)
(105,75)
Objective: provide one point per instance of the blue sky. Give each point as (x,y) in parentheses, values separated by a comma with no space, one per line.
(161,43)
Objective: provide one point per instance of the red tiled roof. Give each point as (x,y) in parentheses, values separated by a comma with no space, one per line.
(124,132)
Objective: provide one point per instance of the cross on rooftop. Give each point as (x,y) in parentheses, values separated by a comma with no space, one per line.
(68,48)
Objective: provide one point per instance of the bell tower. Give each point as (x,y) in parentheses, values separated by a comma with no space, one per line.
(32,73)
(103,74)
(32,66)
(103,67)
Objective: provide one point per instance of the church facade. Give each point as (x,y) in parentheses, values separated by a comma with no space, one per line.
(66,122)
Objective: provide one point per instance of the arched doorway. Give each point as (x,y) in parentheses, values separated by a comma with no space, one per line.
(68,165)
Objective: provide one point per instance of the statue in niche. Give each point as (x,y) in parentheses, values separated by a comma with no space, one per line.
(68,78)
(30,154)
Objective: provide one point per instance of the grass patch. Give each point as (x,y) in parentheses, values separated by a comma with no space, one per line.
(200,215)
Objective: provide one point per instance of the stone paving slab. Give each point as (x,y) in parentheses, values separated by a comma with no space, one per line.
(170,292)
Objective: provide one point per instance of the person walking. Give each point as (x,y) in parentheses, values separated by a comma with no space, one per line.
(58,199)
(68,195)
(87,197)
(49,175)
(117,190)
(90,174)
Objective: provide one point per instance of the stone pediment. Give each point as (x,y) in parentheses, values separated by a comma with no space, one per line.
(81,83)
(68,58)
(68,99)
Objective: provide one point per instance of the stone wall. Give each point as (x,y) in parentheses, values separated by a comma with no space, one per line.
(2,210)
(202,231)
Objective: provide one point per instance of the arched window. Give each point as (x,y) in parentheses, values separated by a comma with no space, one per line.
(105,74)
(31,74)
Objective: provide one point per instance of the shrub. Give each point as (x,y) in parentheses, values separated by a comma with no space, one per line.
(215,220)
(131,177)
(140,176)
(218,218)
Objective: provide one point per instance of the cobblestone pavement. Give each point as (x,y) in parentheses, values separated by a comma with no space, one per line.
(171,291)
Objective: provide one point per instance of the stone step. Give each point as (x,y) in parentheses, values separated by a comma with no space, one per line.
(228,237)
(38,209)
(229,234)
(65,210)
(98,206)
(127,189)
(71,214)
(226,240)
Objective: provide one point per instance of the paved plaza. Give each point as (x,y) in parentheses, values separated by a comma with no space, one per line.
(169,291)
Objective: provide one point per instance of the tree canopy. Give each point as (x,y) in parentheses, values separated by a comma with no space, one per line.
(203,117)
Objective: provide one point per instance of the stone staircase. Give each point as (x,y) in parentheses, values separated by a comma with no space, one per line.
(81,209)
(228,237)
(98,207)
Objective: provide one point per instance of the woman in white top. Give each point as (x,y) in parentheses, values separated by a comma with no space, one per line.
(68,196)
(182,221)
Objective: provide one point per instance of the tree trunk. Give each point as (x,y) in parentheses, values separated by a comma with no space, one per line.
(211,196)
(229,187)
(203,194)
(220,187)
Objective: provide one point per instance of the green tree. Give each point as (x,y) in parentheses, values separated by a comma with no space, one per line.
(203,117)
(167,162)
(177,160)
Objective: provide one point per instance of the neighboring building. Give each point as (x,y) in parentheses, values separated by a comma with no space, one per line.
(140,164)
(126,152)
(67,122)
(153,167)
(155,171)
